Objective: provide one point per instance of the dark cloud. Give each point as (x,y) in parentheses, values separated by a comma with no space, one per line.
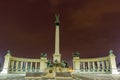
(91,14)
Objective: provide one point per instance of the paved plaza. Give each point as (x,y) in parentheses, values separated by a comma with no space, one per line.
(76,77)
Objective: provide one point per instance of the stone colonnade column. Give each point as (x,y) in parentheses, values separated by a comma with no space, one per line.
(26,66)
(35,66)
(16,66)
(21,68)
(12,64)
(112,63)
(84,66)
(88,66)
(76,64)
(31,66)
(43,64)
(98,66)
(93,66)
(107,65)
(103,66)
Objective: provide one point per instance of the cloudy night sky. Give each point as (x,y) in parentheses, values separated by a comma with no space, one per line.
(91,27)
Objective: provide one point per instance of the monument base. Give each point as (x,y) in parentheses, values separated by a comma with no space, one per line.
(50,73)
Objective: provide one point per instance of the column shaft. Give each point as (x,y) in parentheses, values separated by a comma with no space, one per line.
(83,66)
(26,66)
(21,66)
(93,66)
(107,65)
(35,66)
(12,66)
(88,66)
(16,66)
(98,66)
(103,66)
(31,66)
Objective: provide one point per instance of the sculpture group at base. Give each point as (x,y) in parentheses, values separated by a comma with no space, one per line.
(54,70)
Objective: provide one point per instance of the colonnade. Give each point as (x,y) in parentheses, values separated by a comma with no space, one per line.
(87,65)
(23,65)
(95,65)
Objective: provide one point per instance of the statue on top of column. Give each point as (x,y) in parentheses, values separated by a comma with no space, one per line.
(111,52)
(76,54)
(44,55)
(57,21)
(8,52)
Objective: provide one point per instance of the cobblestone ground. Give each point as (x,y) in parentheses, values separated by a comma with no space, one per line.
(98,76)
(76,77)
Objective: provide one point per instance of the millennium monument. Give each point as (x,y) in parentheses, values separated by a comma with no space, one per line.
(57,67)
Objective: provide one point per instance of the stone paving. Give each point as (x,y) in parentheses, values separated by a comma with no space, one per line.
(98,76)
(76,77)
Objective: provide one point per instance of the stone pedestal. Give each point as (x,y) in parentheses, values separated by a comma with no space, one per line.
(113,67)
(76,64)
(57,57)
(43,64)
(6,63)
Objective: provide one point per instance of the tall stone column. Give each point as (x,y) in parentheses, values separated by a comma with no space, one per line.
(6,63)
(57,55)
(112,62)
